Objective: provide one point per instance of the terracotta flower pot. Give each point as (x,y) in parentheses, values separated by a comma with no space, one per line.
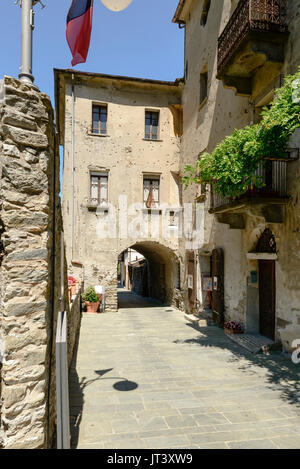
(92,307)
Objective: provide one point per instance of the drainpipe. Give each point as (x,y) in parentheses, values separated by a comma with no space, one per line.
(73,146)
(53,276)
(74,262)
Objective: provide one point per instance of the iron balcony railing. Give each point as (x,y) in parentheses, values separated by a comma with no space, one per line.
(273,175)
(251,15)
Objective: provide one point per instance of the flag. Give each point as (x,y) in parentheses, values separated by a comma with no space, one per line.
(79,27)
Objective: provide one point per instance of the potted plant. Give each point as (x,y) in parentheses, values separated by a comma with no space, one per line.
(91,300)
(233,327)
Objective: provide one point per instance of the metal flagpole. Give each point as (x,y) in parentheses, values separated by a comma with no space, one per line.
(27,32)
(26,48)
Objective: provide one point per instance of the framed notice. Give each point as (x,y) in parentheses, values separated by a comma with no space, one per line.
(190,281)
(207,283)
(215,283)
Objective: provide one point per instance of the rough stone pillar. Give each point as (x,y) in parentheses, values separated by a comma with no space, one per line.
(30,224)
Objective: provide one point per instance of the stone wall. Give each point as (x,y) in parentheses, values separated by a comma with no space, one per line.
(30,257)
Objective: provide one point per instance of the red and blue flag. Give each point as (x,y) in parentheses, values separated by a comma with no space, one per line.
(79,28)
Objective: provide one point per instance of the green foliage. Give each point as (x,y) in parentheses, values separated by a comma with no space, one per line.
(231,167)
(90,295)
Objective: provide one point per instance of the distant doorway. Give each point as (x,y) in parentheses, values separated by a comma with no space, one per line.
(267,295)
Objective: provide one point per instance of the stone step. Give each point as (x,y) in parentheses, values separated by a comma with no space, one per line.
(199,320)
(206,318)
(191,318)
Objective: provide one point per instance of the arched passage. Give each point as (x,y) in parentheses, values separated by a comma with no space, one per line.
(160,273)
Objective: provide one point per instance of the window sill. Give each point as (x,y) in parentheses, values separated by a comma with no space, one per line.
(151,210)
(152,140)
(202,104)
(97,208)
(91,134)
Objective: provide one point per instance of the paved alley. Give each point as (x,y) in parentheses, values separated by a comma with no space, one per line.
(145,378)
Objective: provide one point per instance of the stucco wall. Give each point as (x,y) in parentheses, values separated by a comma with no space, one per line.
(125,155)
(204,127)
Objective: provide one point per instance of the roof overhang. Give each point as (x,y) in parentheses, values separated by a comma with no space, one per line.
(181,12)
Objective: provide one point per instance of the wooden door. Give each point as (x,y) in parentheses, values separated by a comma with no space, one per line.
(267,294)
(217,272)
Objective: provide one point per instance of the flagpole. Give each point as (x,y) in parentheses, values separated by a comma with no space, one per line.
(26,48)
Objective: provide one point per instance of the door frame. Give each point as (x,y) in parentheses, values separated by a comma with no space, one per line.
(273,296)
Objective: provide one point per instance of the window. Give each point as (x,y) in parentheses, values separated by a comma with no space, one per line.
(99,119)
(204,15)
(151,125)
(151,192)
(186,70)
(99,184)
(203,86)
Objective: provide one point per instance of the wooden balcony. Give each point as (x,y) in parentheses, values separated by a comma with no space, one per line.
(267,201)
(253,42)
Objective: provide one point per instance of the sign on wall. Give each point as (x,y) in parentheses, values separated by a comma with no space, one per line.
(190,282)
(207,283)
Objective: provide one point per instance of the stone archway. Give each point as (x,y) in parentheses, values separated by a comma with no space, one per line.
(163,271)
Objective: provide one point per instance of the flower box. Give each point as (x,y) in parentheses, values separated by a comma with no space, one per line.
(233,327)
(230,331)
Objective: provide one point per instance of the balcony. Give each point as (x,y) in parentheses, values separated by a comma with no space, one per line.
(267,202)
(251,47)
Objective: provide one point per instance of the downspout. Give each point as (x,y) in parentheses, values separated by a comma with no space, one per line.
(53,275)
(74,262)
(73,147)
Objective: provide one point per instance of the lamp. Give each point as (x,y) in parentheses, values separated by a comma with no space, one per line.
(116,5)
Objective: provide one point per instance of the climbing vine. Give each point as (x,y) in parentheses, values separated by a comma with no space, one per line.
(231,167)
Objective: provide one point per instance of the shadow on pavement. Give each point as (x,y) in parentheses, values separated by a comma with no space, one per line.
(76,394)
(282,374)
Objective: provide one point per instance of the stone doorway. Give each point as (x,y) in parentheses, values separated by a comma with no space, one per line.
(261,288)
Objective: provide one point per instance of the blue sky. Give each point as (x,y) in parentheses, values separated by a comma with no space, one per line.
(141,41)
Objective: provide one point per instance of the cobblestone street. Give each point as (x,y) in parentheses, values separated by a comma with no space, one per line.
(145,378)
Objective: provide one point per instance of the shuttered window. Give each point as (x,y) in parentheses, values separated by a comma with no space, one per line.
(99,191)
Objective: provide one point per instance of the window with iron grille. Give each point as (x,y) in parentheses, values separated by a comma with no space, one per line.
(99,183)
(99,125)
(151,125)
(151,192)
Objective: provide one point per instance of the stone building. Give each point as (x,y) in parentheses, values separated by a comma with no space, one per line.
(121,188)
(236,55)
(30,267)
(133,137)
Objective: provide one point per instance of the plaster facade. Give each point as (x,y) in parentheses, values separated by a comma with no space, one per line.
(126,157)
(204,126)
